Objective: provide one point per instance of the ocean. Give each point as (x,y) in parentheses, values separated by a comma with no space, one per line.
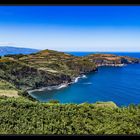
(118,84)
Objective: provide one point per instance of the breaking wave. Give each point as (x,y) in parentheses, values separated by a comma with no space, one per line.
(57,87)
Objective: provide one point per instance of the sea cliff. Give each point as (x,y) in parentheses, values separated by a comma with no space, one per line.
(42,69)
(50,68)
(111,60)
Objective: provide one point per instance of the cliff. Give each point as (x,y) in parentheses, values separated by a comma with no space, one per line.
(111,60)
(45,68)
(51,68)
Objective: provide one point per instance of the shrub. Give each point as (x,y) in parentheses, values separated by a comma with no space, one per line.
(21,116)
(54,101)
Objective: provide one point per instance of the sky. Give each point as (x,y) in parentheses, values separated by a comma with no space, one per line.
(71,28)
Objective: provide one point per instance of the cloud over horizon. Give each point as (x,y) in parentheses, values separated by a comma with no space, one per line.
(7,43)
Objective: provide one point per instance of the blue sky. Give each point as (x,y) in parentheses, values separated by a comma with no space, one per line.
(71,28)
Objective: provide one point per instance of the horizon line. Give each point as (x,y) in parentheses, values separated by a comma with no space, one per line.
(69,50)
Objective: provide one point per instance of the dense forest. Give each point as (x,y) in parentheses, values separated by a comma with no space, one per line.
(21,116)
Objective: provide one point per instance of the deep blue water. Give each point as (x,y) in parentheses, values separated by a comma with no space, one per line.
(118,84)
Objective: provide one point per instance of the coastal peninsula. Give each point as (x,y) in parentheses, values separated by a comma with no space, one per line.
(49,68)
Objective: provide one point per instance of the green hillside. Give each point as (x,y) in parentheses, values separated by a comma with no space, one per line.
(45,68)
(21,116)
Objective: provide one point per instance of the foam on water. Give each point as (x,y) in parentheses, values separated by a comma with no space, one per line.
(84,76)
(62,86)
(88,83)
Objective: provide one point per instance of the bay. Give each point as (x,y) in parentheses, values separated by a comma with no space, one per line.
(118,84)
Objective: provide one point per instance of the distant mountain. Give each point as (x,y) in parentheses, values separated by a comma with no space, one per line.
(4,50)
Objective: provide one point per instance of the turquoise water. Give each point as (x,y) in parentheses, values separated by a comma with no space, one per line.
(118,84)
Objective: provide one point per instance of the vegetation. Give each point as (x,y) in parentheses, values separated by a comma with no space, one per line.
(50,68)
(45,68)
(7,89)
(54,101)
(25,115)
(6,85)
(110,59)
(21,116)
(17,56)
(26,77)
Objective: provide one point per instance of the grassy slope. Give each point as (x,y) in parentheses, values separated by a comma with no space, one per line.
(26,117)
(42,69)
(111,59)
(7,89)
(49,67)
(58,62)
(25,77)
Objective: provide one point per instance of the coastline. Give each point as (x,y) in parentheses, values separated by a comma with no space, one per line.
(57,87)
(74,80)
(111,65)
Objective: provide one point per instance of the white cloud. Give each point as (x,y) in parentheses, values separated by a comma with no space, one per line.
(7,43)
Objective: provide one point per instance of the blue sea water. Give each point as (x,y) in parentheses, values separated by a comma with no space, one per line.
(118,84)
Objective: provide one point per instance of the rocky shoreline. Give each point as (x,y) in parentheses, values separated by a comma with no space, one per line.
(74,80)
(50,69)
(57,87)
(100,60)
(111,65)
